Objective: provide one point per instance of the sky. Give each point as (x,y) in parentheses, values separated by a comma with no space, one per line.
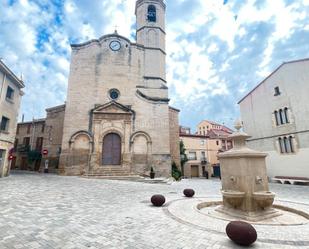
(217,50)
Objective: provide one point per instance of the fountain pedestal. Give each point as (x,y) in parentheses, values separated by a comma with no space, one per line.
(245,188)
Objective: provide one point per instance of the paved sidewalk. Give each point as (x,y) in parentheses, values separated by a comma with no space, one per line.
(49,211)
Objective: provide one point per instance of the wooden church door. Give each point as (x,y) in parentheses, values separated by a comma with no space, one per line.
(112,149)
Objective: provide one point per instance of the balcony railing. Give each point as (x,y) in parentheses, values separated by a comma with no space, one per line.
(23,148)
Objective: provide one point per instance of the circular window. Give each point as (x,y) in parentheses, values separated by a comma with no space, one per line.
(114,94)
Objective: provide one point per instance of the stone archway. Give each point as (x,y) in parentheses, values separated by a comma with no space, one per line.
(111,151)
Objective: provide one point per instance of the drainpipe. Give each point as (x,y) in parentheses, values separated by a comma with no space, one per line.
(32,137)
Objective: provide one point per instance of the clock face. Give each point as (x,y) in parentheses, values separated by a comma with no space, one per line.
(115,45)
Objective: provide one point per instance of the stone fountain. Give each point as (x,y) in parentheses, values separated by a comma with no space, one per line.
(246,197)
(245,188)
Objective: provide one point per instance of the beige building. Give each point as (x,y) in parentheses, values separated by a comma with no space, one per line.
(218,142)
(117,119)
(29,138)
(10,98)
(276,115)
(218,139)
(205,126)
(203,147)
(38,135)
(53,137)
(196,151)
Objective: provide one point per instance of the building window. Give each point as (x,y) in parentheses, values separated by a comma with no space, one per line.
(282,116)
(4,124)
(152,13)
(277,91)
(43,128)
(192,156)
(203,156)
(39,144)
(28,128)
(202,142)
(217,143)
(10,93)
(277,118)
(291,144)
(16,144)
(114,94)
(281,144)
(26,141)
(286,145)
(286,115)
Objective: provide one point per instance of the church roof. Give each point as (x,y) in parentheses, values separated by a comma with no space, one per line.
(100,39)
(11,75)
(153,99)
(277,69)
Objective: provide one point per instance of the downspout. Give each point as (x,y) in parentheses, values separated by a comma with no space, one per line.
(92,144)
(32,136)
(90,128)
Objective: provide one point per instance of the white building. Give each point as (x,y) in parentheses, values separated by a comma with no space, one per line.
(276,115)
(10,97)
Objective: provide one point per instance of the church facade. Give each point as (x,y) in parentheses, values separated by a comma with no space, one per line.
(117,117)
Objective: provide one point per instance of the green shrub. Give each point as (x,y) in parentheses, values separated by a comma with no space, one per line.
(176,173)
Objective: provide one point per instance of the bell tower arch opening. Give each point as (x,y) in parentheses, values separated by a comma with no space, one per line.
(152,13)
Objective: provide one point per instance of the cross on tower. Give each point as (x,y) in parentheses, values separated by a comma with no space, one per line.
(116,29)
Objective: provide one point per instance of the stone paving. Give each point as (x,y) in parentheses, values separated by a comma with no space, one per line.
(49,211)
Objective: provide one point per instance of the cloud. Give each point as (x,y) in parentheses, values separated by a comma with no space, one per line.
(213,58)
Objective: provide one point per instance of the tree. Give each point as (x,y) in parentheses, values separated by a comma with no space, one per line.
(176,173)
(183,156)
(33,156)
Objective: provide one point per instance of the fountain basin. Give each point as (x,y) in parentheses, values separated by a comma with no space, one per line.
(233,198)
(264,199)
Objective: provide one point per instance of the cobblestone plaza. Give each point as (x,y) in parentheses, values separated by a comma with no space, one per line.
(49,211)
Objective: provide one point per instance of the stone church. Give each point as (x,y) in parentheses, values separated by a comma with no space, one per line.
(117,117)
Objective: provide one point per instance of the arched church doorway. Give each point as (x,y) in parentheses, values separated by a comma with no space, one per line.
(111,149)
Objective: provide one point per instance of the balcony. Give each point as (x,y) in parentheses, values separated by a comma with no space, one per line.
(203,160)
(23,148)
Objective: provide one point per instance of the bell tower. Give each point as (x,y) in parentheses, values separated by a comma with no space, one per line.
(150,32)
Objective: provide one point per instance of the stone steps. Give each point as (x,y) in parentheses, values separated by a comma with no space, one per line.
(128,177)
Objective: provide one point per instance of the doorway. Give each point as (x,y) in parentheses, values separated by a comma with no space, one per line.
(111,149)
(194,171)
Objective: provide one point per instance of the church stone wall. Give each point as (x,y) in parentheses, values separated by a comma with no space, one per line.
(138,73)
(53,133)
(174,135)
